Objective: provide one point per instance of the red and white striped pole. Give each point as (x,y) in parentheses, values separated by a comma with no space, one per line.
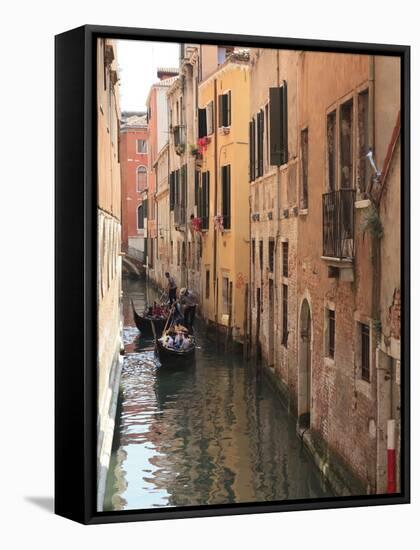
(391,478)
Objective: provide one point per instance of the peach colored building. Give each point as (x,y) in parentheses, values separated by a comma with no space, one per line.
(134,181)
(157,119)
(109,258)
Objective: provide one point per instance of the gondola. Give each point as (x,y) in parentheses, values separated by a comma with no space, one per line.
(143,323)
(169,356)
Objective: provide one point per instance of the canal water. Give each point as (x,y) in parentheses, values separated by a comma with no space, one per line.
(212,433)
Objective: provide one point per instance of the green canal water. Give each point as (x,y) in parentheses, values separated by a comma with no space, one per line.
(212,433)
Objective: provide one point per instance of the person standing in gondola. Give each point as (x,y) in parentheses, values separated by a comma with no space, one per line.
(171,288)
(189,300)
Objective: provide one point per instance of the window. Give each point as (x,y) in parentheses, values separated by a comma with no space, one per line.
(141,146)
(225,109)
(202,123)
(172,252)
(260,143)
(261,256)
(271,254)
(171,190)
(253,251)
(252,150)
(284,315)
(365,351)
(363,133)
(140,217)
(226,196)
(331,333)
(285,259)
(207,284)
(141,178)
(209,118)
(150,256)
(178,253)
(225,295)
(196,188)
(205,199)
(331,146)
(304,169)
(346,145)
(278,125)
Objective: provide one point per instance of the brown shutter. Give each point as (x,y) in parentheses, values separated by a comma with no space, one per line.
(202,123)
(228,108)
(275,130)
(251,160)
(284,126)
(220,111)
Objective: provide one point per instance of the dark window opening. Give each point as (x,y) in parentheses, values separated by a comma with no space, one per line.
(271,254)
(331,333)
(140,217)
(226,196)
(278,125)
(207,284)
(284,315)
(205,199)
(346,144)
(202,123)
(285,258)
(305,165)
(261,256)
(363,131)
(225,109)
(332,146)
(365,351)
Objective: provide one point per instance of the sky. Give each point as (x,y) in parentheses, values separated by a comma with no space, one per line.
(138,62)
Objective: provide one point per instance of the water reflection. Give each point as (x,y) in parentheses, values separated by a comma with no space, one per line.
(211,433)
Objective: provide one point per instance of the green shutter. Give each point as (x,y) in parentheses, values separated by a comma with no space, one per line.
(275,130)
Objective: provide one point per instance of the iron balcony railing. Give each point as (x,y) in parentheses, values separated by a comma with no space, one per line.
(338,224)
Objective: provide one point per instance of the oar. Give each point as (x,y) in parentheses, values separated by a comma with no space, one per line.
(169,316)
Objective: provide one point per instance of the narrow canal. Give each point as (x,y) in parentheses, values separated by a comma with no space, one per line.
(212,433)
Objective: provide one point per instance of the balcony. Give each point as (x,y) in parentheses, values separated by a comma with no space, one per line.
(338,224)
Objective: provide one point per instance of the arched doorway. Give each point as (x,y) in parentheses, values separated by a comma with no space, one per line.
(305,345)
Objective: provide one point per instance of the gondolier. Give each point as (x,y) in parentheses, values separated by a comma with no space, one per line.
(189,300)
(171,288)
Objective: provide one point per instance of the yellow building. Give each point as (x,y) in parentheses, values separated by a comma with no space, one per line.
(109,259)
(223,116)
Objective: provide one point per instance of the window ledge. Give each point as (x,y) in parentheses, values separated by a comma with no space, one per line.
(303,212)
(365,203)
(329,361)
(338,262)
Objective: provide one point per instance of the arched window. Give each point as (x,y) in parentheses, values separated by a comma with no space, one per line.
(140,217)
(141,178)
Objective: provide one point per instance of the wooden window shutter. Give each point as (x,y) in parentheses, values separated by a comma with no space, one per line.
(209,118)
(284,122)
(171,190)
(251,156)
(228,108)
(202,123)
(275,130)
(220,100)
(196,188)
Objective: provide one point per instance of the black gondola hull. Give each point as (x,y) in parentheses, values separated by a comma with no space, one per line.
(144,324)
(172,357)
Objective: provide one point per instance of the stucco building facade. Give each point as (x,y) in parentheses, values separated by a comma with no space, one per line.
(109,258)
(134,181)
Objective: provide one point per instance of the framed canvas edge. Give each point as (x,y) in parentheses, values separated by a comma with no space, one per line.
(82,480)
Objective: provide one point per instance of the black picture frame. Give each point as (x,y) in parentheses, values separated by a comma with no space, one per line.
(75,273)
